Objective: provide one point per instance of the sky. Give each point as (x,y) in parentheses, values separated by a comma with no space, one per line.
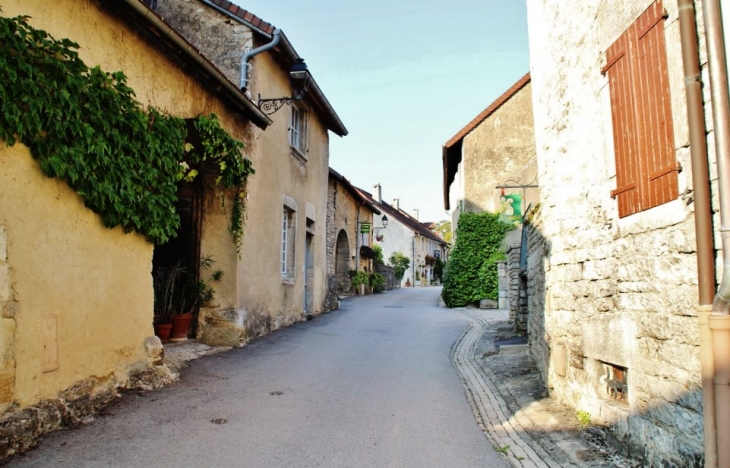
(404,76)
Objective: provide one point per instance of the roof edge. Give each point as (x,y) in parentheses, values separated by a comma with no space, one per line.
(521,83)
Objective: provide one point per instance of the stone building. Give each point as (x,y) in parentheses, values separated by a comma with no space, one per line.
(612,262)
(281,272)
(407,235)
(490,165)
(349,213)
(492,156)
(76,297)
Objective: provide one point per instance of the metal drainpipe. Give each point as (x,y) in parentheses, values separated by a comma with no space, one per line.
(719,321)
(243,83)
(703,217)
(357,240)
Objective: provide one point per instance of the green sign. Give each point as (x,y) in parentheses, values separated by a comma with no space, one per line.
(364,228)
(511,209)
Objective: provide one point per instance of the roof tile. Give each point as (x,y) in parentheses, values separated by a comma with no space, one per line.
(233,8)
(248,16)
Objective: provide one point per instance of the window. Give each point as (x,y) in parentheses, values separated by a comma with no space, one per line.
(288,233)
(643,134)
(298,130)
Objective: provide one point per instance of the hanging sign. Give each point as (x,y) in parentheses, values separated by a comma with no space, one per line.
(364,228)
(511,208)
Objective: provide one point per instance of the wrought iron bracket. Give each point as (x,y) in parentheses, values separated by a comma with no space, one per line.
(269,106)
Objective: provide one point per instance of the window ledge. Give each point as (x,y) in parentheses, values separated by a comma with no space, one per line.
(298,154)
(288,280)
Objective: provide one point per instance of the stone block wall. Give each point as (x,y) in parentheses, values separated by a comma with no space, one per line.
(610,296)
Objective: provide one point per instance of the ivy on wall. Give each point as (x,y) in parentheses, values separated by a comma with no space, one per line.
(471,273)
(85,127)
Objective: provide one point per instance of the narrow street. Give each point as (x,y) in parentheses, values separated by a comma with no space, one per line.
(370,385)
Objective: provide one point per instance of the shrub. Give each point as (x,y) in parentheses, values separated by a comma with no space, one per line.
(377,282)
(472,270)
(400,263)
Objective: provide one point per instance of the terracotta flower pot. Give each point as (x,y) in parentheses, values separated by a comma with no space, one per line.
(162,331)
(180,327)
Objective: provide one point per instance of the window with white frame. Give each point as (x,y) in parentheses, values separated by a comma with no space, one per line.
(298,129)
(288,234)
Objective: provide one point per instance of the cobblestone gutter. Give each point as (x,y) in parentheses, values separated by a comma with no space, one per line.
(509,401)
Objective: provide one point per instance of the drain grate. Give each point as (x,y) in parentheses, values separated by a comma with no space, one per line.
(393,307)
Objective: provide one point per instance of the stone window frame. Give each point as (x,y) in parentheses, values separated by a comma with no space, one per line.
(287,250)
(638,78)
(298,131)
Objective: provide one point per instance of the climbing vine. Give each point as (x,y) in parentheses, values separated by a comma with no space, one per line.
(472,269)
(85,127)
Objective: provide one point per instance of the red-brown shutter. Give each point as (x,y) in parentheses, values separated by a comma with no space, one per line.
(646,167)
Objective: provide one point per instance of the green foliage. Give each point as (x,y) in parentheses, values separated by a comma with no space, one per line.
(377,282)
(360,278)
(86,128)
(472,271)
(400,263)
(438,270)
(378,254)
(444,230)
(584,418)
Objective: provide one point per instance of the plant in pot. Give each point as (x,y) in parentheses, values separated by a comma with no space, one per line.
(166,283)
(193,295)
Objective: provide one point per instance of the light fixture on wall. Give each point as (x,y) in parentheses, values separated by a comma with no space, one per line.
(300,79)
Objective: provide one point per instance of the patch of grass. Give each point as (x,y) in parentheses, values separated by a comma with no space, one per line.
(584,418)
(503,449)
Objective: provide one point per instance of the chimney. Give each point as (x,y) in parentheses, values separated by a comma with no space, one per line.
(396,203)
(415,214)
(377,193)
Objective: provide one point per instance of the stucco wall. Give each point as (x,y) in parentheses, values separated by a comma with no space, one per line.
(260,299)
(63,263)
(615,291)
(500,151)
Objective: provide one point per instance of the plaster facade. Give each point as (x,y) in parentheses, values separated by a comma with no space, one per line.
(64,277)
(258,298)
(606,292)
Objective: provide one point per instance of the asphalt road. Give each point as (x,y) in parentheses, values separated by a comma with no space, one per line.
(370,385)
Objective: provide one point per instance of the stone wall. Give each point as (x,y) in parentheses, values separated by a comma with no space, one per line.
(517,299)
(498,150)
(610,296)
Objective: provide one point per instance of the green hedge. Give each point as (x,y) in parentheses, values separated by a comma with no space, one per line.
(471,273)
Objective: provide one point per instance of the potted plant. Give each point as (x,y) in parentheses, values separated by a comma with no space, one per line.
(177,296)
(193,295)
(166,283)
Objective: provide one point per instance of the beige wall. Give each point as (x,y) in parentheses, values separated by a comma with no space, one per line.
(500,151)
(254,298)
(62,261)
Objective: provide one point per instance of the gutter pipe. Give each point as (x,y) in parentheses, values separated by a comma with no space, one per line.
(169,33)
(249,54)
(703,218)
(719,320)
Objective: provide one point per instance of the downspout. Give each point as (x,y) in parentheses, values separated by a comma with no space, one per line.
(703,217)
(719,321)
(249,54)
(261,120)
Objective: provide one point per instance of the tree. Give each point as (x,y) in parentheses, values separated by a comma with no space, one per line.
(444,230)
(401,263)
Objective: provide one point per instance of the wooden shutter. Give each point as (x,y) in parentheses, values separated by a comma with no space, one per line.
(646,167)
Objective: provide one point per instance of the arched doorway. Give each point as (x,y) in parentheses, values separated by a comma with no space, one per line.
(342,262)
